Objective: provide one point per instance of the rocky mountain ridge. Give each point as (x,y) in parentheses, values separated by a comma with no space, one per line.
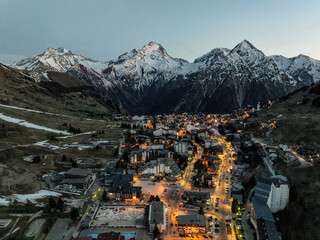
(148,80)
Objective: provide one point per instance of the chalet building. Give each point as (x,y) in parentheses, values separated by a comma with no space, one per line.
(160,140)
(143,139)
(156,148)
(140,156)
(183,147)
(160,132)
(213,168)
(192,224)
(208,143)
(124,192)
(200,197)
(172,140)
(204,179)
(202,134)
(173,132)
(190,128)
(166,154)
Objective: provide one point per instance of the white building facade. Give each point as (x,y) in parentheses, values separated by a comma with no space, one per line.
(279,194)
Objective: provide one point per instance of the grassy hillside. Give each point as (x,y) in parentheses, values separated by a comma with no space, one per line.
(60,94)
(298,116)
(75,104)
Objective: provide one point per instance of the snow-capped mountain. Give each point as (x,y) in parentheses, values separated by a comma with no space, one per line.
(149,80)
(143,67)
(58,59)
(302,68)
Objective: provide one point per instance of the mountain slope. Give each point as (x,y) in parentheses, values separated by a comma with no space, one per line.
(302,68)
(56,93)
(219,81)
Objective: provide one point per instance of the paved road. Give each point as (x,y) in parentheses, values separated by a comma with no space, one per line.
(220,192)
(265,159)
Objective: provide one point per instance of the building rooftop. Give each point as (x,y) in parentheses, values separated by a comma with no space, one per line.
(110,236)
(166,161)
(262,210)
(198,195)
(78,172)
(72,181)
(192,219)
(157,213)
(271,230)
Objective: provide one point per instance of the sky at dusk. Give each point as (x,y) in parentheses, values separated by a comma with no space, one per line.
(104,29)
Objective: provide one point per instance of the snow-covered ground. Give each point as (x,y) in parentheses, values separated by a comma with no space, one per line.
(30,125)
(149,188)
(119,214)
(31,110)
(22,198)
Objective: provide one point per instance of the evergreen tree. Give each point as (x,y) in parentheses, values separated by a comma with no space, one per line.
(252,182)
(36,159)
(201,212)
(234,206)
(74,164)
(52,204)
(104,196)
(151,199)
(156,231)
(60,204)
(74,214)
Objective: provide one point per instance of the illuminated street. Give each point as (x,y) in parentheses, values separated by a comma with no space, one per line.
(172,200)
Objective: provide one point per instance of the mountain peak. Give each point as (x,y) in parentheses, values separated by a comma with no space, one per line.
(154,44)
(55,59)
(213,54)
(245,45)
(156,47)
(55,51)
(248,52)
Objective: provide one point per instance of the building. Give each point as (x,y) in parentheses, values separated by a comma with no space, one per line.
(75,173)
(110,180)
(181,147)
(208,143)
(263,221)
(157,215)
(201,197)
(77,178)
(194,223)
(114,171)
(124,192)
(161,166)
(190,128)
(160,132)
(110,236)
(274,192)
(139,156)
(166,154)
(204,179)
